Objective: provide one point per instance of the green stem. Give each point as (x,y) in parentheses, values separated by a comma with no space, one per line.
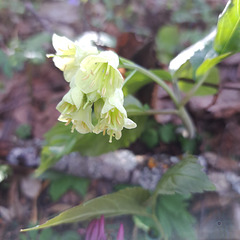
(187,121)
(192,92)
(175,95)
(152,112)
(130,76)
(160,228)
(151,75)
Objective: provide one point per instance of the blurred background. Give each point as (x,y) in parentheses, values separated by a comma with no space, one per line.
(149,32)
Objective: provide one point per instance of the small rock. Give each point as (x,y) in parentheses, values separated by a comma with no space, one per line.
(220,181)
(30,187)
(26,156)
(221,163)
(234,179)
(149,178)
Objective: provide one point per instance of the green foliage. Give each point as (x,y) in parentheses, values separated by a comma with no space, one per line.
(126,201)
(13,5)
(150,135)
(174,217)
(61,183)
(49,234)
(155,134)
(196,62)
(193,12)
(228,29)
(139,80)
(5,171)
(196,54)
(209,87)
(189,145)
(185,178)
(33,49)
(24,131)
(169,211)
(5,65)
(150,138)
(167,41)
(60,141)
(167,133)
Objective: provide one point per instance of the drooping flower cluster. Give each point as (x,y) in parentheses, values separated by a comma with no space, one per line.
(96,230)
(94,102)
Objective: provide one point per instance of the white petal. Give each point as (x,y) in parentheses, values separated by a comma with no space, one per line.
(111,57)
(61,44)
(129,124)
(77,96)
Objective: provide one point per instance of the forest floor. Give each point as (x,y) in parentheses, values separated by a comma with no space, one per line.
(31,87)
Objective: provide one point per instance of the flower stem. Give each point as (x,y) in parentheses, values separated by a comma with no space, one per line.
(130,65)
(187,121)
(175,96)
(160,228)
(152,112)
(192,91)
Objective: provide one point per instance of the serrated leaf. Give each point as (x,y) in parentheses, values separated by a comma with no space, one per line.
(125,202)
(185,177)
(174,217)
(228,29)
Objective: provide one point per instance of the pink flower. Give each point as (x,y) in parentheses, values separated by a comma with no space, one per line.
(96,230)
(120,235)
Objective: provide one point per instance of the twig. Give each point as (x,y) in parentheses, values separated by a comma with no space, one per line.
(29,7)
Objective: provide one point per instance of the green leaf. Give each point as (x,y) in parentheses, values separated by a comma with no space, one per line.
(5,65)
(228,29)
(186,177)
(150,138)
(167,133)
(167,40)
(138,80)
(174,217)
(195,53)
(46,234)
(209,63)
(61,141)
(61,185)
(126,201)
(70,235)
(133,105)
(5,172)
(148,225)
(216,46)
(209,87)
(34,47)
